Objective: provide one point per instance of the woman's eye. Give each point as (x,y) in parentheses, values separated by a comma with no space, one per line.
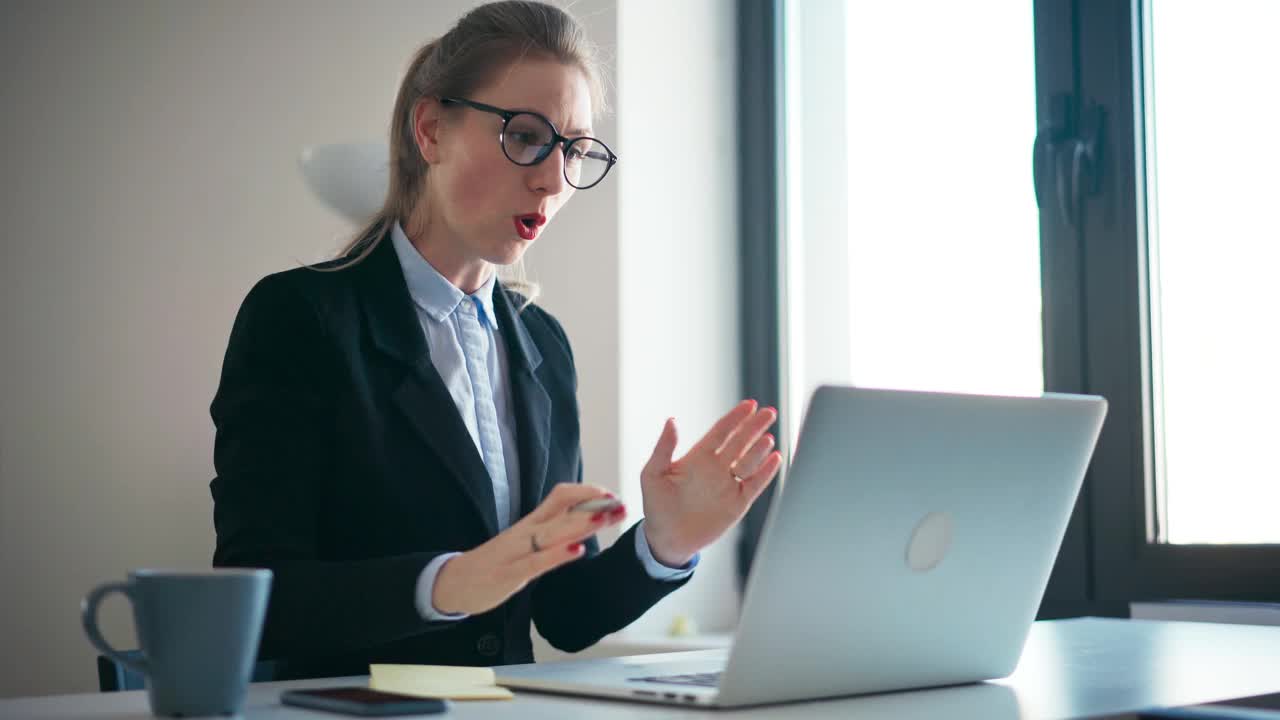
(523,138)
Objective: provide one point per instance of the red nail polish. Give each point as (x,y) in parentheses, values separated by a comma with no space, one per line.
(575,548)
(597,517)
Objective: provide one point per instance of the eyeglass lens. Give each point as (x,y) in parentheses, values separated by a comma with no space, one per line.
(528,139)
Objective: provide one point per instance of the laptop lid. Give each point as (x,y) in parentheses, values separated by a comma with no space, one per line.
(911,544)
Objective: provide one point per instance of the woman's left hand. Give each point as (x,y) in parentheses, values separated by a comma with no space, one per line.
(690,502)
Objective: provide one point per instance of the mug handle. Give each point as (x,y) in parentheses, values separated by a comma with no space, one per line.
(89,618)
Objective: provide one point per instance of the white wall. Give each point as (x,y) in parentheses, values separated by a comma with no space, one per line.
(150,156)
(677,104)
(151,178)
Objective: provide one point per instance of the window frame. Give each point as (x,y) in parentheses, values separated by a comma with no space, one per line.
(1128,564)
(761,130)
(1094,289)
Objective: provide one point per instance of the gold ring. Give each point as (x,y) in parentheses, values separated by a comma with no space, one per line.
(533,542)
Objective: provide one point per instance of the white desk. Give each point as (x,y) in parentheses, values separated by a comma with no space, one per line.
(1070,669)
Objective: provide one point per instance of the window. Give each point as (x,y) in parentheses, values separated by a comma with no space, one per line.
(912,233)
(1211,154)
(1175,313)
(900,180)
(887,153)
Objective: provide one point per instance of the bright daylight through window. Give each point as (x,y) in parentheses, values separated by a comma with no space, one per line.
(931,278)
(1212,154)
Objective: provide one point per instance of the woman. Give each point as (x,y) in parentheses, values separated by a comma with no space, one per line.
(397,431)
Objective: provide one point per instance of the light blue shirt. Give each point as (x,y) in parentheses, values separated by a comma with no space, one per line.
(436,302)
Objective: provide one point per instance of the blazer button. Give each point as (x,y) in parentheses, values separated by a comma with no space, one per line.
(488,645)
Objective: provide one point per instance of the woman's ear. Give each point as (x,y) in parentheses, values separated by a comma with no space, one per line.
(426,128)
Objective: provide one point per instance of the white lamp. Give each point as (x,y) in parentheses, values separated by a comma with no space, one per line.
(349,178)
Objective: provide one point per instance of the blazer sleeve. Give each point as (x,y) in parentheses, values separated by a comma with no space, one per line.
(577,604)
(270,457)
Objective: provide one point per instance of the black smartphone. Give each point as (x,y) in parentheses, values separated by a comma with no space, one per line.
(363,701)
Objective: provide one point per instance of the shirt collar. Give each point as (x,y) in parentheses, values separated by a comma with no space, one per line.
(430,290)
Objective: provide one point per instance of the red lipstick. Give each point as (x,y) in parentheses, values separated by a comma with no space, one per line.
(527,225)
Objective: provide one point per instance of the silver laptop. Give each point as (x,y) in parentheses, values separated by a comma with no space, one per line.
(910,547)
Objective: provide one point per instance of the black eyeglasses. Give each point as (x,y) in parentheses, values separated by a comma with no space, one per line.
(528,138)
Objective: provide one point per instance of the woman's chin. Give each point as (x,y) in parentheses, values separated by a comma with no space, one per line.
(510,253)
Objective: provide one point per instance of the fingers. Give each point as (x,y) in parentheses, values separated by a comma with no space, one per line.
(752,459)
(560,541)
(534,565)
(553,524)
(725,426)
(564,496)
(747,432)
(573,526)
(661,458)
(755,484)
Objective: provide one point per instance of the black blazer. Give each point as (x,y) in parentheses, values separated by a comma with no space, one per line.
(343,466)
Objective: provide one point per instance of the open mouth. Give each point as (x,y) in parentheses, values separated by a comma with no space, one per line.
(527,225)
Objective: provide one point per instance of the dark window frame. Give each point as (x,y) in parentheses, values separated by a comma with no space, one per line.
(1128,565)
(760,133)
(1093,272)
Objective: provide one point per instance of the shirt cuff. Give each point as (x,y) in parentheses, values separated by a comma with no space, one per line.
(657,570)
(427,584)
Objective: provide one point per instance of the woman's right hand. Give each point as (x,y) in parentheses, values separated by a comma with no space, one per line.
(483,578)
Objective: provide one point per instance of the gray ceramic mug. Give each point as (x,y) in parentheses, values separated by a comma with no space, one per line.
(198,632)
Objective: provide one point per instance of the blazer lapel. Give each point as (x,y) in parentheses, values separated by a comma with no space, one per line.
(421,395)
(532,405)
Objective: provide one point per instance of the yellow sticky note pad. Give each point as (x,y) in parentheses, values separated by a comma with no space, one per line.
(438,681)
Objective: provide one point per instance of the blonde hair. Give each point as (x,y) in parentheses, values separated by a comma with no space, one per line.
(486,40)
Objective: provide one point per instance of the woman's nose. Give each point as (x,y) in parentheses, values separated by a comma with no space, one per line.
(548,176)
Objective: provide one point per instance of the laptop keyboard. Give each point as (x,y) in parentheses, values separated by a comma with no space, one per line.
(710,679)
